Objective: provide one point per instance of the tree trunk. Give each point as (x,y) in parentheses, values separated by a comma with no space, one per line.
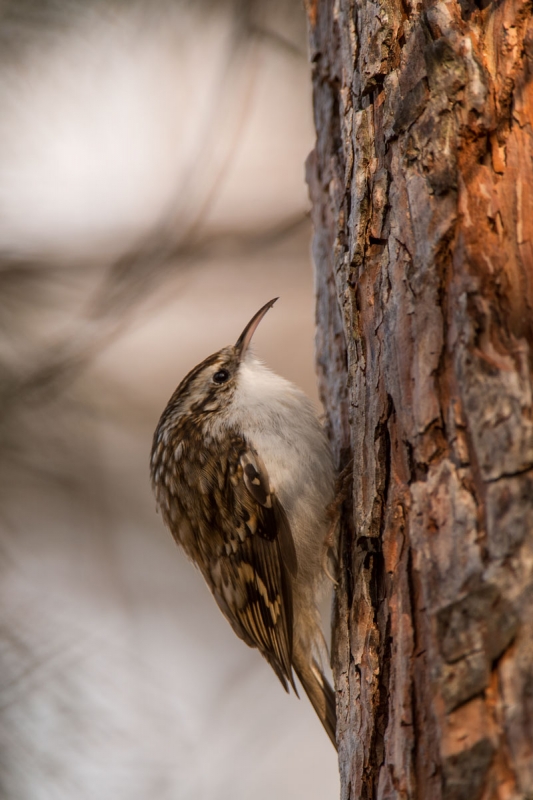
(422,187)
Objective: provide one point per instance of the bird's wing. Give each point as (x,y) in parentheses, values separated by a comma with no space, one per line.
(250,575)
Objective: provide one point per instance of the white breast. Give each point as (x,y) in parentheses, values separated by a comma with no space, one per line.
(280,422)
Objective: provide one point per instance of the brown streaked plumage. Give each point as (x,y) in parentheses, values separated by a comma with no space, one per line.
(224,462)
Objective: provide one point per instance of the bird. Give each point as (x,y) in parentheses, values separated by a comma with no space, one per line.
(243,476)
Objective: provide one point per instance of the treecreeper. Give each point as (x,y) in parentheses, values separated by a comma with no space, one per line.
(243,475)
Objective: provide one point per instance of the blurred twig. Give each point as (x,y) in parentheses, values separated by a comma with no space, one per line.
(44,372)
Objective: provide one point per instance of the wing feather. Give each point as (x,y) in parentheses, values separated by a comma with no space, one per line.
(251,576)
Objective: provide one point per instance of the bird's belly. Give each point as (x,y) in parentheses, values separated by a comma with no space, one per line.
(300,471)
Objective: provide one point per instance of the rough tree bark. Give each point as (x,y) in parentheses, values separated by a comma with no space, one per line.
(422,188)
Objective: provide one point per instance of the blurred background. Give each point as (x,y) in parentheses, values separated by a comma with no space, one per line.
(152,198)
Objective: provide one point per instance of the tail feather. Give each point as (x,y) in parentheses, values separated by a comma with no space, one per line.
(320,694)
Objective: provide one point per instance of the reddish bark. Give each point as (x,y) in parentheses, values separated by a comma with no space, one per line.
(422,188)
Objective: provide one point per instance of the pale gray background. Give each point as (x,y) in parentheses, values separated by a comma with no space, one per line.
(169,128)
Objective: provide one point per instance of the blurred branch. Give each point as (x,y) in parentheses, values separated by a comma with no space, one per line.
(33,374)
(127,283)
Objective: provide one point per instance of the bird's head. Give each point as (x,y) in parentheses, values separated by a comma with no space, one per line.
(211,385)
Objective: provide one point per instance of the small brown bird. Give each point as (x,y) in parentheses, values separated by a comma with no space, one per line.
(243,475)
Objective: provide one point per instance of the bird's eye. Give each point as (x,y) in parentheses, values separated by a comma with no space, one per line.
(221,376)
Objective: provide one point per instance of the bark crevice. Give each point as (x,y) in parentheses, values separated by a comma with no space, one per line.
(422,185)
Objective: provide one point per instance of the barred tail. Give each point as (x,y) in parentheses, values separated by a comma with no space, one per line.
(319,692)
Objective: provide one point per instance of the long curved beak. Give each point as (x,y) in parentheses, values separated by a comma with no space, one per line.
(242,343)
